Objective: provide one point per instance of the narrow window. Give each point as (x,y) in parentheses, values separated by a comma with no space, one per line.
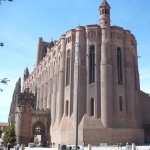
(67,108)
(103,11)
(119,66)
(92,107)
(120,103)
(91,64)
(68,68)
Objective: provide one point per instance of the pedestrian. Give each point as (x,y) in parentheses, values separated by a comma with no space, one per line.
(22,147)
(8,146)
(17,147)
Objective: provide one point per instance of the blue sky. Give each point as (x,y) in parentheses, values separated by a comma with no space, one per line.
(24,21)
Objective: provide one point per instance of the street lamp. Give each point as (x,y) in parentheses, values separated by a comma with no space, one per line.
(1,44)
(4,80)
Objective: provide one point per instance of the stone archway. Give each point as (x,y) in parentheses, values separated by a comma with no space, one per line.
(39,133)
(40,126)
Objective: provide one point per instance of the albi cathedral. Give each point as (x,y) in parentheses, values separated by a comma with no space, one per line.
(91,71)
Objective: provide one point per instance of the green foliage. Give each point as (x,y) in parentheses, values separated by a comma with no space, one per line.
(1,133)
(9,135)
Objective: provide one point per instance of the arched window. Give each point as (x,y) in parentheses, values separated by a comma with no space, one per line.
(68,68)
(119,65)
(120,103)
(92,107)
(105,11)
(67,108)
(91,64)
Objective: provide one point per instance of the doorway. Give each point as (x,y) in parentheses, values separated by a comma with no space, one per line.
(39,136)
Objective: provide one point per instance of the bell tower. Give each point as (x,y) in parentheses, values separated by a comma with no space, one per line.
(104,10)
(106,66)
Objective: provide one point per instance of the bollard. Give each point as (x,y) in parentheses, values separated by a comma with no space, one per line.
(127,146)
(58,147)
(133,146)
(89,147)
(82,147)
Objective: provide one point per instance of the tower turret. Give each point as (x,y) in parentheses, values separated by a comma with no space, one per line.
(42,49)
(26,73)
(106,66)
(104,14)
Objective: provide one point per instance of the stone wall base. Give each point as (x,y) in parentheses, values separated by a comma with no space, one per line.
(113,136)
(91,131)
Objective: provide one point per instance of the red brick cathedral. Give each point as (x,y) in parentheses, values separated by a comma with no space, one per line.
(94,67)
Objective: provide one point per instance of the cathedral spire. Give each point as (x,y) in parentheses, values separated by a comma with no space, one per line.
(104,14)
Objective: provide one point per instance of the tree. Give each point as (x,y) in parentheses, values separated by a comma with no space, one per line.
(1,133)
(9,135)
